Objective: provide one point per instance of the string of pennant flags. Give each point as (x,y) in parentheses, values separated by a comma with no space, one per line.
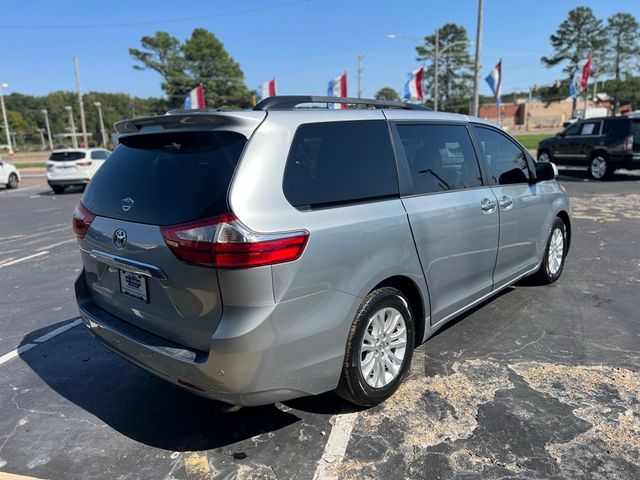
(413,88)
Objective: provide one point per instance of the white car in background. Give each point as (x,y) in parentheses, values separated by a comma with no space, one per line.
(9,175)
(74,166)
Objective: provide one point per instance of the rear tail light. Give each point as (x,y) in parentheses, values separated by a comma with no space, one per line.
(224,242)
(82,219)
(628,144)
(49,166)
(84,163)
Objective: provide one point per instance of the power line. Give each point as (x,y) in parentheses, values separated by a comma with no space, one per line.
(150,22)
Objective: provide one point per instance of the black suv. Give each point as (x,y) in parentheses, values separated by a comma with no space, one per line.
(600,145)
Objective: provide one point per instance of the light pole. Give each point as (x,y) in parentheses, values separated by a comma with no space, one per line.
(41,132)
(102,132)
(438,54)
(476,69)
(72,126)
(4,118)
(436,57)
(46,121)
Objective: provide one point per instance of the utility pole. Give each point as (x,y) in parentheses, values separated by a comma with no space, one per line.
(41,132)
(528,112)
(83,122)
(46,121)
(436,70)
(72,126)
(476,78)
(102,132)
(4,118)
(360,70)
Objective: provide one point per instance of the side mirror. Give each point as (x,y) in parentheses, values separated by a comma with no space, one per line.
(545,171)
(560,134)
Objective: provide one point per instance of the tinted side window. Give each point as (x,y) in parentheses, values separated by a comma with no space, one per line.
(440,157)
(573,129)
(505,160)
(618,129)
(340,162)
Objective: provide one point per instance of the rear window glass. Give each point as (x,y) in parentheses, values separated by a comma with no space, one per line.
(66,156)
(340,162)
(616,128)
(166,178)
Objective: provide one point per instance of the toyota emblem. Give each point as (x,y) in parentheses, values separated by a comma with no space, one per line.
(120,238)
(127,203)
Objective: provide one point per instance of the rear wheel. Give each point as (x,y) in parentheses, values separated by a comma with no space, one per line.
(13,181)
(553,262)
(379,348)
(57,188)
(599,168)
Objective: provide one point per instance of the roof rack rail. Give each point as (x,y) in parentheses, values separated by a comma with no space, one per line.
(288,102)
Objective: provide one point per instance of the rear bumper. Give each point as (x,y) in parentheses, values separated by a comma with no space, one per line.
(67,181)
(258,355)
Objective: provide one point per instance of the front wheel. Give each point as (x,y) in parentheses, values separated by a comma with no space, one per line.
(379,348)
(13,181)
(554,256)
(599,168)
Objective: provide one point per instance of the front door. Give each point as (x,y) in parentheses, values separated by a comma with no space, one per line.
(453,216)
(520,204)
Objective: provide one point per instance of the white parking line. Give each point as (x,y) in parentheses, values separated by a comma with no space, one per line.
(21,189)
(18,260)
(336,445)
(57,244)
(47,336)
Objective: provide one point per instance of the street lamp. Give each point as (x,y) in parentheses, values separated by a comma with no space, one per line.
(41,132)
(4,118)
(72,125)
(436,57)
(102,132)
(46,121)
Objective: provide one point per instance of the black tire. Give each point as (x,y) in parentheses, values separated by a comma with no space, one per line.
(547,274)
(13,181)
(352,386)
(59,189)
(599,167)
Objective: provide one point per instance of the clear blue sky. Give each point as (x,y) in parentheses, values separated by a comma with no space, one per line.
(303,44)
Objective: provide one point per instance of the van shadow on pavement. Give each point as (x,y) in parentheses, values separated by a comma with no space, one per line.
(136,403)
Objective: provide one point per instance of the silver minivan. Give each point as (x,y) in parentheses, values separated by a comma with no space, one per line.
(258,256)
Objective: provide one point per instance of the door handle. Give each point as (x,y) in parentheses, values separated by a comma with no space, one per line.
(506,203)
(487,205)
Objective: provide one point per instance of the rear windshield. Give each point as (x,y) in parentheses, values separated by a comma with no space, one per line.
(164,179)
(66,156)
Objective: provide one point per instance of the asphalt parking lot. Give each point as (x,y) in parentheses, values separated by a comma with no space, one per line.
(539,382)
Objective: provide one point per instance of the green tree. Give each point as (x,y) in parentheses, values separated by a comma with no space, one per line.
(387,93)
(454,70)
(201,58)
(624,35)
(580,33)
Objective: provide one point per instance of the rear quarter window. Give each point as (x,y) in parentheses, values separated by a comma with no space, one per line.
(337,163)
(170,177)
(617,129)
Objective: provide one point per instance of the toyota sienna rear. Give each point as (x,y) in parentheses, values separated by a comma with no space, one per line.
(258,256)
